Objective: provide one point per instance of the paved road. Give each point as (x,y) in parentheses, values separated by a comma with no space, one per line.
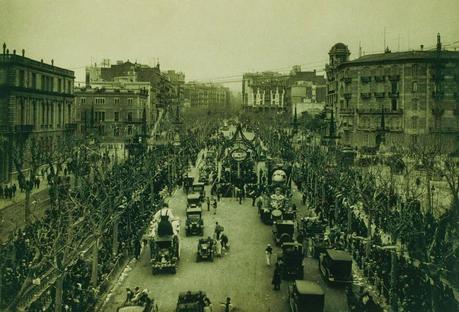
(241,274)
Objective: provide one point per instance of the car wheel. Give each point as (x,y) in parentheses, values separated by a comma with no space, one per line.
(153,271)
(174,270)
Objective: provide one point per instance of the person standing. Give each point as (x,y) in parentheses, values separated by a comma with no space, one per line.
(208,203)
(224,240)
(268,253)
(276,281)
(214,205)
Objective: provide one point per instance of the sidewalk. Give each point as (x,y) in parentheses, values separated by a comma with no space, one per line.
(20,196)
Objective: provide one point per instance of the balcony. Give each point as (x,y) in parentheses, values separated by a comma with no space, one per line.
(347,80)
(347,111)
(394,95)
(24,128)
(365,95)
(365,79)
(379,95)
(347,95)
(380,78)
(438,95)
(394,77)
(377,111)
(70,126)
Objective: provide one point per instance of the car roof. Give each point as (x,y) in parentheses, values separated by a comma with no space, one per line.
(164,238)
(197,209)
(198,184)
(285,222)
(193,196)
(293,244)
(308,288)
(339,255)
(132,308)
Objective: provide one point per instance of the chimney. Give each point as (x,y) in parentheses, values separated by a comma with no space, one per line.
(41,60)
(52,62)
(7,51)
(4,47)
(438,42)
(23,52)
(422,47)
(14,52)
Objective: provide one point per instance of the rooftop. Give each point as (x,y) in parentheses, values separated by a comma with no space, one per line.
(309,288)
(396,57)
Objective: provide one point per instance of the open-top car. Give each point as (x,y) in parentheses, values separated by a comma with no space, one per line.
(306,296)
(191,301)
(193,200)
(199,188)
(291,260)
(194,223)
(164,253)
(283,231)
(206,249)
(336,266)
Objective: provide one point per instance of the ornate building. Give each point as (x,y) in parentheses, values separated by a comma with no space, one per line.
(36,108)
(394,97)
(206,94)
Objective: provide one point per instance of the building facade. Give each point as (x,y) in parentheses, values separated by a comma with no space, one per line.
(206,95)
(114,114)
(304,90)
(36,108)
(394,97)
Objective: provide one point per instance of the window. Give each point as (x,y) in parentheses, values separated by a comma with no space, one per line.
(129,130)
(34,80)
(69,87)
(21,78)
(117,116)
(82,101)
(394,104)
(130,101)
(59,85)
(415,86)
(100,101)
(116,101)
(414,69)
(414,122)
(116,131)
(129,116)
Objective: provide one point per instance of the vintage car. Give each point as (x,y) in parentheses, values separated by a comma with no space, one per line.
(206,249)
(199,188)
(306,296)
(291,260)
(336,266)
(194,223)
(283,231)
(164,253)
(148,305)
(193,200)
(191,301)
(187,183)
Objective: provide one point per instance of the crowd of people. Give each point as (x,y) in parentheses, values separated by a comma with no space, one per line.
(338,193)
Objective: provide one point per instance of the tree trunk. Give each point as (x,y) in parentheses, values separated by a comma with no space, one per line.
(59,293)
(393,282)
(115,238)
(95,263)
(27,205)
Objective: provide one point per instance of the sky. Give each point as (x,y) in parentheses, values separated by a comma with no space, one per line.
(219,40)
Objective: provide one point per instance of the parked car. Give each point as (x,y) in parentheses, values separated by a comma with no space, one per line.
(306,296)
(336,266)
(194,223)
(283,231)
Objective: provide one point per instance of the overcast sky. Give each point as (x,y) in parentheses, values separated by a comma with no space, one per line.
(219,40)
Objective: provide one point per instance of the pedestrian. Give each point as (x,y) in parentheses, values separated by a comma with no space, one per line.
(228,306)
(129,296)
(218,248)
(241,196)
(14,189)
(1,191)
(214,205)
(207,304)
(137,248)
(208,203)
(218,230)
(224,240)
(276,281)
(268,253)
(218,191)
